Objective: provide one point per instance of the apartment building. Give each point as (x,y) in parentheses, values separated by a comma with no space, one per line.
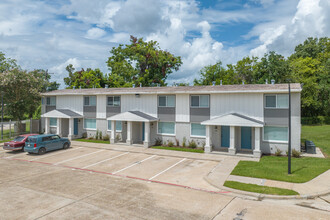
(251,118)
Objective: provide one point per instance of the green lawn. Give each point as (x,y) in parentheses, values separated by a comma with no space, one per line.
(179,149)
(259,189)
(320,135)
(93,141)
(276,168)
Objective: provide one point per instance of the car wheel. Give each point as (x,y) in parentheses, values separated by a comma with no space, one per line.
(66,146)
(42,150)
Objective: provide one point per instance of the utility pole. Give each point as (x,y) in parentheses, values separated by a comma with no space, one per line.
(289,150)
(2,115)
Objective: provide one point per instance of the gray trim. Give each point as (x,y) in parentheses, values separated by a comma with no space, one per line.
(166,113)
(50,108)
(199,114)
(144,115)
(111,111)
(276,116)
(90,111)
(69,112)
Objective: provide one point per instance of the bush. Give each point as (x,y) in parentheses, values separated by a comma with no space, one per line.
(315,120)
(184,142)
(177,142)
(84,135)
(278,152)
(106,137)
(296,153)
(158,142)
(100,135)
(37,113)
(117,137)
(170,143)
(192,144)
(97,135)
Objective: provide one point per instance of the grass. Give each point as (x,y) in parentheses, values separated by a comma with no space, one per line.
(259,189)
(179,149)
(320,135)
(7,133)
(92,141)
(276,168)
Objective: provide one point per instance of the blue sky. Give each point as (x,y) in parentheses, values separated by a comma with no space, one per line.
(51,34)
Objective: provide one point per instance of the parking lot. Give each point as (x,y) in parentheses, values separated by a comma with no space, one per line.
(150,167)
(120,182)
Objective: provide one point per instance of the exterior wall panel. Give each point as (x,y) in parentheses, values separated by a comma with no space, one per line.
(74,103)
(101,106)
(90,111)
(112,110)
(50,108)
(143,103)
(166,113)
(199,114)
(250,105)
(182,108)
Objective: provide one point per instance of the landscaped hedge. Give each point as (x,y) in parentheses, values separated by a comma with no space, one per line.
(316,120)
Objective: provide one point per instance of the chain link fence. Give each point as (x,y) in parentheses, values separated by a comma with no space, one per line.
(9,130)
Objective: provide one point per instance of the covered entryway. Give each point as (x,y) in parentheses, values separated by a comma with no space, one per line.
(237,133)
(138,127)
(63,122)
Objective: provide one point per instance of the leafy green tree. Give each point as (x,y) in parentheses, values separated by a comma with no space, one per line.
(311,47)
(22,90)
(246,68)
(84,79)
(140,62)
(6,63)
(216,73)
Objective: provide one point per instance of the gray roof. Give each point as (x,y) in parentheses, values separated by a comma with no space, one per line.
(238,88)
(144,115)
(69,112)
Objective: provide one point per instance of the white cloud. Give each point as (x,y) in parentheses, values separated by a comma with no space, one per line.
(95,33)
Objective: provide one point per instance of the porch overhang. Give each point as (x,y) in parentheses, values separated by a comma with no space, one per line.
(62,113)
(135,116)
(234,119)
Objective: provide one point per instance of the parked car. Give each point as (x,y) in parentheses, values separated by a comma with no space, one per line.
(18,143)
(41,144)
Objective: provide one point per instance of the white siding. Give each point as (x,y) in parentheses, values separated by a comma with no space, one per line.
(101,106)
(144,103)
(182,108)
(74,103)
(250,105)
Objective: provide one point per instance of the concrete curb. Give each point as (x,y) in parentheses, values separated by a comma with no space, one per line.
(260,196)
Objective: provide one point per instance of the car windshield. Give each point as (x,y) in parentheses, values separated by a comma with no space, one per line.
(19,138)
(31,139)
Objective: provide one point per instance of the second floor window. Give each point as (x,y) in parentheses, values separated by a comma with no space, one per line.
(90,100)
(51,101)
(113,100)
(199,101)
(166,101)
(277,101)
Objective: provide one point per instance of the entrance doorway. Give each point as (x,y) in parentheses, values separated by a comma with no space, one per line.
(225,132)
(246,135)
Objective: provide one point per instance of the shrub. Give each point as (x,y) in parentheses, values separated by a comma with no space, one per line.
(184,142)
(100,135)
(296,153)
(106,137)
(170,143)
(278,152)
(84,135)
(192,144)
(117,137)
(158,142)
(97,134)
(177,142)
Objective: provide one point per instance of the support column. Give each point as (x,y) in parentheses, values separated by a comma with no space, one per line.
(47,129)
(232,147)
(71,127)
(129,133)
(59,127)
(146,141)
(257,151)
(113,132)
(208,142)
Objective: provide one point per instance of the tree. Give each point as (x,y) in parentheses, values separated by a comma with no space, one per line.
(246,68)
(140,62)
(311,47)
(6,63)
(22,90)
(215,73)
(84,79)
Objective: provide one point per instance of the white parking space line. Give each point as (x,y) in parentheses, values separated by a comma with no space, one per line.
(18,154)
(85,155)
(105,160)
(52,154)
(167,169)
(134,164)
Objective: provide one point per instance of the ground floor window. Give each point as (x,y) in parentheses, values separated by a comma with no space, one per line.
(119,125)
(89,123)
(53,122)
(166,128)
(272,133)
(197,130)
